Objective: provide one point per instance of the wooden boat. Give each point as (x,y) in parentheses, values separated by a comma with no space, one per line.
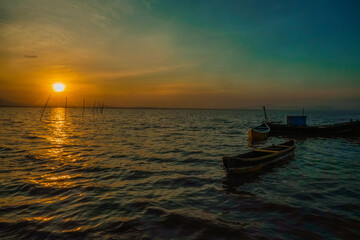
(347,129)
(259,133)
(296,126)
(259,158)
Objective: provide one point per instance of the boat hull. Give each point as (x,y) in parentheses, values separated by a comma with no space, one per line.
(259,158)
(259,133)
(348,129)
(256,168)
(257,136)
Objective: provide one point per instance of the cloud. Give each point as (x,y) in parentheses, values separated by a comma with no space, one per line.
(208,55)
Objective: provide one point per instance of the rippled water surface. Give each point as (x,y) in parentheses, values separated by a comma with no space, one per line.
(156,174)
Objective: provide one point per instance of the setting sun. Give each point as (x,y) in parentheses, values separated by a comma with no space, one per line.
(58,87)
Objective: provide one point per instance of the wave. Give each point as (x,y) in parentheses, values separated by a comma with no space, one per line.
(196,225)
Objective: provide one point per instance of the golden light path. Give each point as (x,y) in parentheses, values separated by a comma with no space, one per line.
(58,87)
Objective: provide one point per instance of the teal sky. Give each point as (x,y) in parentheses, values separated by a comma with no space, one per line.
(200,54)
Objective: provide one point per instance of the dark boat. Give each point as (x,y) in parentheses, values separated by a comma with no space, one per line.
(259,158)
(259,133)
(347,129)
(296,127)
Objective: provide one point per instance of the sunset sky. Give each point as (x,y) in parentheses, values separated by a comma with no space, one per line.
(188,54)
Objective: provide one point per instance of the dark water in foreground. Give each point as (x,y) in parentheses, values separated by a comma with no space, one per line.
(155,174)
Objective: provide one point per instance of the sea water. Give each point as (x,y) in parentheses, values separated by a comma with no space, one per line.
(156,174)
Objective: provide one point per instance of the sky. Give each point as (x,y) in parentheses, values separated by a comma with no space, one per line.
(182,54)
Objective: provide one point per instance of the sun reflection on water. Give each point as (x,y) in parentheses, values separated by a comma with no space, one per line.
(57,127)
(56,154)
(59,135)
(73,230)
(49,180)
(40,219)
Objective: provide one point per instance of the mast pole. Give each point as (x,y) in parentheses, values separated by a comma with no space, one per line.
(266,119)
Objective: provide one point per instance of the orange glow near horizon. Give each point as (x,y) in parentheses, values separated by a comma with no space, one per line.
(59,87)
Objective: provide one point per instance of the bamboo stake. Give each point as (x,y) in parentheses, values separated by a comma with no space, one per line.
(93,110)
(65,106)
(83,108)
(43,110)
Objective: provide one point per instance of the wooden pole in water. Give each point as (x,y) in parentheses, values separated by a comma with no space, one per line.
(65,106)
(93,110)
(42,112)
(83,108)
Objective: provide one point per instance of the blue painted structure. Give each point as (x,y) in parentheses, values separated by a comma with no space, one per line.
(296,120)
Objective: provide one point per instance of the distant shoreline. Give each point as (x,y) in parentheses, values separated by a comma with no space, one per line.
(164,108)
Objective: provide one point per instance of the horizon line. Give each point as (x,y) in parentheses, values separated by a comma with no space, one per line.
(195,108)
